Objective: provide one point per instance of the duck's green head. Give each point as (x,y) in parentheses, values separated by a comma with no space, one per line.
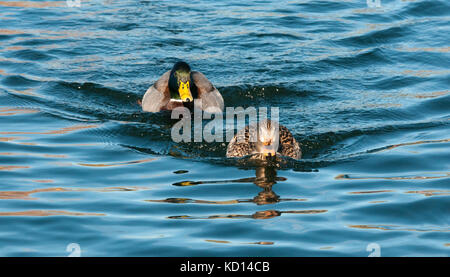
(180,82)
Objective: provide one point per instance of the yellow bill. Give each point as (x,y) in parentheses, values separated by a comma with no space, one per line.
(185,92)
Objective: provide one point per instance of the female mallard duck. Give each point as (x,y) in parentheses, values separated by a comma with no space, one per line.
(269,139)
(179,87)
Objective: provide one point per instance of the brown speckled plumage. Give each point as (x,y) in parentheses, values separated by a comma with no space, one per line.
(241,145)
(289,147)
(240,149)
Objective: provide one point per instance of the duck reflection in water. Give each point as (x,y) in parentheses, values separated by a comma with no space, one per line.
(266,177)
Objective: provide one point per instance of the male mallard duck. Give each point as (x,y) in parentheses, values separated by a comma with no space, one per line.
(268,139)
(179,87)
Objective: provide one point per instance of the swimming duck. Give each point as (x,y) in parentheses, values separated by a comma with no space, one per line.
(268,139)
(179,87)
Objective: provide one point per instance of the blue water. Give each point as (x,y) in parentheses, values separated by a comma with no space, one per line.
(365,90)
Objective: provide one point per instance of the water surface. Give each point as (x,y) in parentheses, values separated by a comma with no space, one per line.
(364,90)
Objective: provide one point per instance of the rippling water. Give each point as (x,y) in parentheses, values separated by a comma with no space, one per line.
(364,90)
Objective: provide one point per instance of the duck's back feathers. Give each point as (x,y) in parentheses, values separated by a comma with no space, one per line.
(158,95)
(162,84)
(212,100)
(241,145)
(202,84)
(289,147)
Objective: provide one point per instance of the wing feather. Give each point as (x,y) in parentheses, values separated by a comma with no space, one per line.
(240,145)
(289,146)
(212,100)
(156,97)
